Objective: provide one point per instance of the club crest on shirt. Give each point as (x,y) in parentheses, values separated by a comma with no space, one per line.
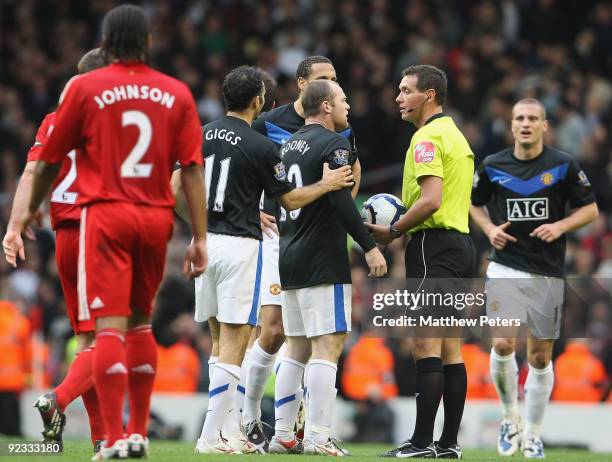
(582,179)
(275,289)
(279,172)
(547,178)
(424,152)
(341,156)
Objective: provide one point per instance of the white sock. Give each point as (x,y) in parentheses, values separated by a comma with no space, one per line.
(231,425)
(504,372)
(211,366)
(220,396)
(287,397)
(322,394)
(538,386)
(258,371)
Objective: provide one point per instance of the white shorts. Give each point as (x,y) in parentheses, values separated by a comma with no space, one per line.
(533,298)
(270,278)
(318,310)
(229,289)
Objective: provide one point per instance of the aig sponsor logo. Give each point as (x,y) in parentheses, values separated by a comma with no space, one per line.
(533,208)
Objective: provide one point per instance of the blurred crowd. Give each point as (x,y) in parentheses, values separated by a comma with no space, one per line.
(493,52)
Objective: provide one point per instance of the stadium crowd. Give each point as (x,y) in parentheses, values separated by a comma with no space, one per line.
(494,53)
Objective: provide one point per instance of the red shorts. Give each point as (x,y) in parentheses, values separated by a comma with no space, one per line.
(122,254)
(67,257)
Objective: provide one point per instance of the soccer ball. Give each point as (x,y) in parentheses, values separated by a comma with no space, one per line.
(382,209)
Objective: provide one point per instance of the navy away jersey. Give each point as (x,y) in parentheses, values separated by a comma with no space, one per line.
(529,193)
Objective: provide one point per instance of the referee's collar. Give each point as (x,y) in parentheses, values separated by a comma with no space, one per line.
(434,117)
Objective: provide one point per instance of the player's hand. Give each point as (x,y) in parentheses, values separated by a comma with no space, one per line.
(12,244)
(548,233)
(376,262)
(38,219)
(340,178)
(381,234)
(268,224)
(498,236)
(196,259)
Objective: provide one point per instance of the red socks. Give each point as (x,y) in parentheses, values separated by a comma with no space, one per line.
(78,380)
(111,378)
(142,365)
(90,400)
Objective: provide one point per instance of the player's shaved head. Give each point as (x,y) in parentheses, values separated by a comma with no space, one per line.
(93,59)
(532,101)
(315,94)
(304,69)
(125,34)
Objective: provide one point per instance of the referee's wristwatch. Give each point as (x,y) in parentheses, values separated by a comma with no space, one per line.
(395,233)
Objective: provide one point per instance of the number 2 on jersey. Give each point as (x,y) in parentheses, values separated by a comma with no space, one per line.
(294,174)
(209,163)
(61,194)
(130,167)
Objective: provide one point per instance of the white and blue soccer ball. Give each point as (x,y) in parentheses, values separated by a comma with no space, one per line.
(382,209)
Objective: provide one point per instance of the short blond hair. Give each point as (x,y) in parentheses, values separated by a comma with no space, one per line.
(535,101)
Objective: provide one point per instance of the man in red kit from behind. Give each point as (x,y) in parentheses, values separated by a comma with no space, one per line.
(132,124)
(65,217)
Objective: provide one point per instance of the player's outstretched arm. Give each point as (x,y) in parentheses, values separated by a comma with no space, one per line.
(12,242)
(192,181)
(332,180)
(580,217)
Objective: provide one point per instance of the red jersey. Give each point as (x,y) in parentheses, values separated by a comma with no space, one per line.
(131,124)
(64,210)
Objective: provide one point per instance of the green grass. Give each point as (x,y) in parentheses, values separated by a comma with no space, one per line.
(184,452)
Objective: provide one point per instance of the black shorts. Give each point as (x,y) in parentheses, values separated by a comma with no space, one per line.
(440,253)
(439,263)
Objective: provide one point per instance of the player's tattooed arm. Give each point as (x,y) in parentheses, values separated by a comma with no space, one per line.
(582,216)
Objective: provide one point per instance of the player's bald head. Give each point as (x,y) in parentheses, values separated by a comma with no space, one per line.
(316,93)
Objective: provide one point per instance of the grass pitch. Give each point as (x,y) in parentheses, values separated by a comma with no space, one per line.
(184,452)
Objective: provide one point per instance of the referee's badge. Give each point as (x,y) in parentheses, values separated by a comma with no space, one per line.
(547,178)
(475,180)
(424,152)
(582,179)
(275,289)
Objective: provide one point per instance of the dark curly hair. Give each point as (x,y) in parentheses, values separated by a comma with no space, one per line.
(240,86)
(305,67)
(125,34)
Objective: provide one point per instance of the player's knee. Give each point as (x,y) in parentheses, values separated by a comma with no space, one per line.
(85,340)
(539,359)
(503,347)
(272,337)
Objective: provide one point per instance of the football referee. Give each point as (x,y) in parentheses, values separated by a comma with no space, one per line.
(436,190)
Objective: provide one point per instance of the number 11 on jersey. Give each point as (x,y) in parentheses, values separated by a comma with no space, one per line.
(221,181)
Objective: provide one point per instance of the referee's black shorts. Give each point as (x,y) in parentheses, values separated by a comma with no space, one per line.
(439,262)
(440,253)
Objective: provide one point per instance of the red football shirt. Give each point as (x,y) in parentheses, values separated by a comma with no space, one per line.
(132,124)
(66,186)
